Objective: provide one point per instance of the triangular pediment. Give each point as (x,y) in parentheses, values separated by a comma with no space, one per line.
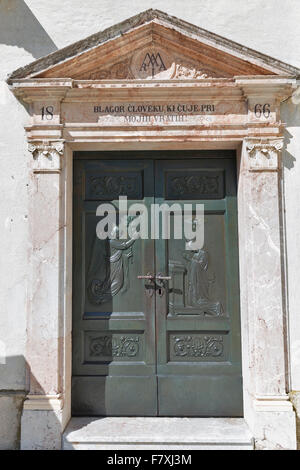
(153,45)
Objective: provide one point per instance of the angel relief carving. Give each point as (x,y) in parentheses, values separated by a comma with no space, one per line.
(108,272)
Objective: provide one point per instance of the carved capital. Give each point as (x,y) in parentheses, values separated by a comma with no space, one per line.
(264,154)
(47,155)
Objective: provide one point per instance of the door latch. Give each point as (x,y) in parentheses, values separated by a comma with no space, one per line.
(160,280)
(149,283)
(153,282)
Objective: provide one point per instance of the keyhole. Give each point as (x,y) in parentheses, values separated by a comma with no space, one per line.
(160,291)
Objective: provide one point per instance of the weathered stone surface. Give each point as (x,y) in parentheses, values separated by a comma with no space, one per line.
(41,430)
(273,431)
(10,414)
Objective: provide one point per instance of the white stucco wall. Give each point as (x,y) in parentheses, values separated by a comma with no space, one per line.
(33,28)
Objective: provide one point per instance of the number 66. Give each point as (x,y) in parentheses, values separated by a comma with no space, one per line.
(260,109)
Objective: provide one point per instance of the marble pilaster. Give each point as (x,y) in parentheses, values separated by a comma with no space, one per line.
(45,335)
(268,406)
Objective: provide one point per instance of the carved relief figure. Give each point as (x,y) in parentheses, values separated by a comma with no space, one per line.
(111,266)
(198,288)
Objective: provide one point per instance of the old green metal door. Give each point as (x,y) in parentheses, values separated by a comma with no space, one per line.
(197,320)
(168,347)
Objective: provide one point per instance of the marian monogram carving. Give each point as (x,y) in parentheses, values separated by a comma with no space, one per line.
(108,345)
(154,62)
(197,346)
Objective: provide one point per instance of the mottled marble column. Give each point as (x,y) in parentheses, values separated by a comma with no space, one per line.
(262,282)
(41,425)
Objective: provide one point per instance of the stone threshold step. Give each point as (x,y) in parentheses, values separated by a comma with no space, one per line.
(116,433)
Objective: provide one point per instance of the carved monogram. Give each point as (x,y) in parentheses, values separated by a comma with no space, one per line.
(152,62)
(111,187)
(198,346)
(108,345)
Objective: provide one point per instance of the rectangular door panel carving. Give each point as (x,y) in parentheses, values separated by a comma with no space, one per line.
(103,347)
(107,186)
(203,347)
(194,184)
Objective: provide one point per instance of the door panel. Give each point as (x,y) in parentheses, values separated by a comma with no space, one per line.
(175,350)
(114,357)
(198,330)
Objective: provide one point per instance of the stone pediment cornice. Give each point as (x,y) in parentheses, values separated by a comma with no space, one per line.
(235,89)
(153,45)
(153,77)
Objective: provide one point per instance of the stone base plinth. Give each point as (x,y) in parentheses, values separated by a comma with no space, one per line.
(41,430)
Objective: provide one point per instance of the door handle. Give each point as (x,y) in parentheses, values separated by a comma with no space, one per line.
(160,277)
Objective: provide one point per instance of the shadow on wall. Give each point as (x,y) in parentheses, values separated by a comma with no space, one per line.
(41,430)
(290,115)
(19,27)
(11,400)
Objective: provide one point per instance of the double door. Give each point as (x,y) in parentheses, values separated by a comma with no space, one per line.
(156,328)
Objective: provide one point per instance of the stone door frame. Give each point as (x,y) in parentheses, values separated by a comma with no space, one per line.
(258,141)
